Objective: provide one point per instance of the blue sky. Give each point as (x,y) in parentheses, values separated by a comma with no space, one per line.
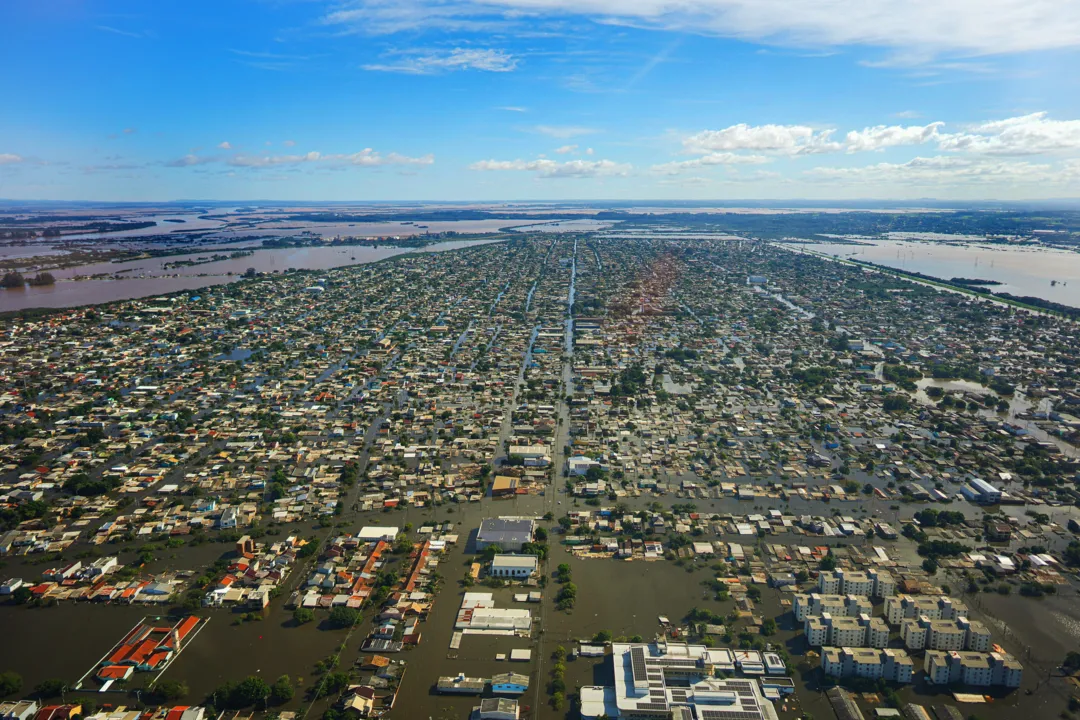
(539,99)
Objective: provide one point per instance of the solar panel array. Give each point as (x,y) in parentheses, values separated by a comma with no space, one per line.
(676,662)
(659,707)
(637,663)
(729,715)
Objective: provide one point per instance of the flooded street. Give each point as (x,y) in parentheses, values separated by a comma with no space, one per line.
(143,278)
(624,598)
(1040,272)
(227,651)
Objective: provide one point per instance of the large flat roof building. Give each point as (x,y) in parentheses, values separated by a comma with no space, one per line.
(371,533)
(642,690)
(872,583)
(514,567)
(478,615)
(892,665)
(861,631)
(815,604)
(508,533)
(972,668)
(900,607)
(960,634)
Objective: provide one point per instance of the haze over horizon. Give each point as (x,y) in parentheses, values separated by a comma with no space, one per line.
(319,100)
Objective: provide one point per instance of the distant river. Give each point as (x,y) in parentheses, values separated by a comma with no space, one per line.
(143,278)
(1022,270)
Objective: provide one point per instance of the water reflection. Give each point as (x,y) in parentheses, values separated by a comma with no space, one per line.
(147,277)
(1047,273)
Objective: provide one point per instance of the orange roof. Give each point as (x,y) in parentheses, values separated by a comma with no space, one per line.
(158,658)
(186,626)
(143,651)
(114,672)
(121,654)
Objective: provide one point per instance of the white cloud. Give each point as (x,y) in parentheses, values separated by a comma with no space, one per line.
(369,158)
(588,151)
(268,60)
(794,140)
(443,61)
(10,158)
(268,55)
(564,132)
(271,160)
(968,27)
(513,108)
(551,169)
(224,145)
(566,149)
(687,181)
(130,131)
(1032,134)
(364,158)
(880,137)
(289,143)
(942,170)
(110,167)
(718,158)
(118,31)
(190,160)
(1028,135)
(783,139)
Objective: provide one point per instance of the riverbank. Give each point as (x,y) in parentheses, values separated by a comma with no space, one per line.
(107,282)
(938,283)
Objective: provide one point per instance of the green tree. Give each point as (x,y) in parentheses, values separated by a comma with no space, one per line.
(303,615)
(11,683)
(896,403)
(281,691)
(221,696)
(488,554)
(343,617)
(50,688)
(336,682)
(170,690)
(252,690)
(12,280)
(540,550)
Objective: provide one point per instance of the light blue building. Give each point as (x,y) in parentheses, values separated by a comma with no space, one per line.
(509,684)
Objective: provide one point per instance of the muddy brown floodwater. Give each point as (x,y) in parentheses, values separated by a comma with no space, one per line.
(622,597)
(148,277)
